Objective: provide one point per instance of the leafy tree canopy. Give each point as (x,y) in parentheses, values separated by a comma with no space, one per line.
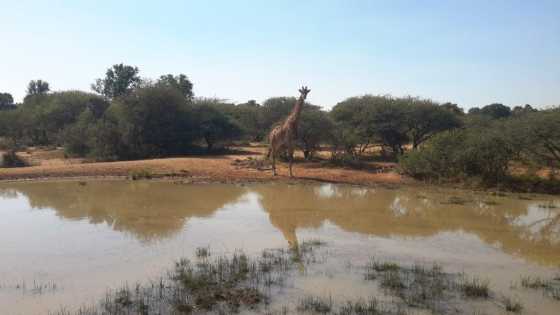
(119,80)
(180,82)
(6,101)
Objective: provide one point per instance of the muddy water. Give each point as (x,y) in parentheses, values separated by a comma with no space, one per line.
(62,244)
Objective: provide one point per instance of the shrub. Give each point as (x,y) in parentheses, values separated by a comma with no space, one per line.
(11,159)
(439,158)
(483,153)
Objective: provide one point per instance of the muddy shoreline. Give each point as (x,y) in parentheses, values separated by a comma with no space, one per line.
(231,169)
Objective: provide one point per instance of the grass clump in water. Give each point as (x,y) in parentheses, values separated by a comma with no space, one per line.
(475,288)
(417,286)
(375,267)
(315,304)
(551,288)
(140,174)
(534,282)
(221,284)
(512,305)
(455,200)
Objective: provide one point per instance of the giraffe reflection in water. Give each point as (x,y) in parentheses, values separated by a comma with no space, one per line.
(155,210)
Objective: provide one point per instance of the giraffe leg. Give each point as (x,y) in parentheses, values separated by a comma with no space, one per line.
(291,157)
(273,162)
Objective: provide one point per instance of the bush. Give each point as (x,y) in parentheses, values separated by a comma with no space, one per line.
(11,159)
(439,158)
(483,153)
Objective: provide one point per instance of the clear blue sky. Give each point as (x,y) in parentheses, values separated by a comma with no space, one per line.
(469,52)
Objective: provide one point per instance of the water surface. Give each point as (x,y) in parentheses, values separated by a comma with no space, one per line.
(75,240)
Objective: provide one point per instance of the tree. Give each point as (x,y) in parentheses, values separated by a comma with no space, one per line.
(372,119)
(495,111)
(454,108)
(523,110)
(6,101)
(315,128)
(214,126)
(275,109)
(425,118)
(250,118)
(180,82)
(352,117)
(538,135)
(389,124)
(474,111)
(49,114)
(151,122)
(119,80)
(37,87)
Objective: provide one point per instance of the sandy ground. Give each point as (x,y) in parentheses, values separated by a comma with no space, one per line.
(51,164)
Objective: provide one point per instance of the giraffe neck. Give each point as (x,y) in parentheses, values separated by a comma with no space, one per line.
(293,118)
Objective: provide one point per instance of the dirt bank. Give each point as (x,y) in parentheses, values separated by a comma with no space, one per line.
(237,167)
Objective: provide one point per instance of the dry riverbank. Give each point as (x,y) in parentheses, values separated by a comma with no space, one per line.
(238,167)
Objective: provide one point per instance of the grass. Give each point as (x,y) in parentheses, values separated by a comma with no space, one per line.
(140,174)
(512,305)
(475,288)
(222,284)
(549,205)
(315,304)
(454,200)
(238,283)
(417,286)
(534,282)
(324,305)
(550,288)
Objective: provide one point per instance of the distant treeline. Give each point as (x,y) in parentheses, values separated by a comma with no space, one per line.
(129,117)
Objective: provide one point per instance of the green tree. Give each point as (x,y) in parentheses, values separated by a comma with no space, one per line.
(538,135)
(151,122)
(315,128)
(6,101)
(454,108)
(119,80)
(425,118)
(250,118)
(523,110)
(214,126)
(275,109)
(495,111)
(353,120)
(180,82)
(37,87)
(47,115)
(389,124)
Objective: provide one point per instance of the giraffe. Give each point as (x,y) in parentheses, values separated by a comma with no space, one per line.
(281,138)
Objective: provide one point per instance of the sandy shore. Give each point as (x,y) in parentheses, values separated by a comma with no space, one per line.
(214,168)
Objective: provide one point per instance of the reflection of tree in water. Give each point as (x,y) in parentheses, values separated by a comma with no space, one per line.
(416,213)
(148,210)
(8,193)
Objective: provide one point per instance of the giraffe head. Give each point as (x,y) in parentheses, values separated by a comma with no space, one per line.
(304,91)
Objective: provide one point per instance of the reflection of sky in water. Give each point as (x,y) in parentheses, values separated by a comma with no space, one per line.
(398,208)
(327,191)
(538,223)
(335,191)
